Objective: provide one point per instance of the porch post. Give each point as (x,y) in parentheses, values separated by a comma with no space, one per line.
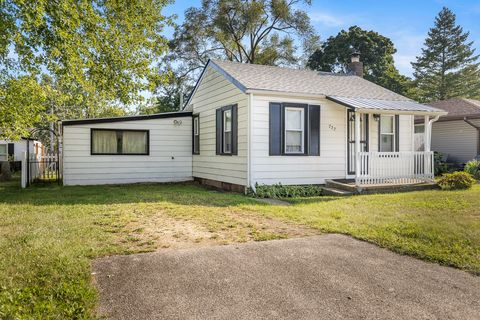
(426,134)
(357,144)
(426,146)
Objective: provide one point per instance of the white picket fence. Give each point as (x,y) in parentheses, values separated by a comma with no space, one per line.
(377,168)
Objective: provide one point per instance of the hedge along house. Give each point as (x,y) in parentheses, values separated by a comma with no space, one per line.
(246,124)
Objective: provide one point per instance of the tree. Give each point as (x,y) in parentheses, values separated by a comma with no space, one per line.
(376,54)
(448,65)
(259,32)
(99,55)
(22,106)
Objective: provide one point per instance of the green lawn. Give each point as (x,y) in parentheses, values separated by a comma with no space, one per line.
(48,235)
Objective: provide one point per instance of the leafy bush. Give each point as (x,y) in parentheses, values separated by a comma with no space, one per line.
(278,191)
(456,180)
(439,164)
(473,167)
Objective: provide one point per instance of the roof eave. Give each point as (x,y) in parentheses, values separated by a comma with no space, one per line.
(401,112)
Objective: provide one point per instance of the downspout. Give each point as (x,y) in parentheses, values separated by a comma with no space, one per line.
(478,131)
(249,141)
(429,138)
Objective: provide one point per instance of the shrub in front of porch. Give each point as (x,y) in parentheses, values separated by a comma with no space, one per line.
(456,181)
(279,191)
(473,167)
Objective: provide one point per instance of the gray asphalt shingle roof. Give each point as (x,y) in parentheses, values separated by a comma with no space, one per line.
(270,78)
(355,91)
(458,107)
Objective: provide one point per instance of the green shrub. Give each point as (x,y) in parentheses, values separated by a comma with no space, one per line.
(278,191)
(439,165)
(456,180)
(473,167)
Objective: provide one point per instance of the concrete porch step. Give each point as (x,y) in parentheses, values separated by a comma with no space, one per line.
(336,192)
(341,186)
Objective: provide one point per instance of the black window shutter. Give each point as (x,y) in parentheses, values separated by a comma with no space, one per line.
(314,130)
(397,133)
(275,125)
(218,122)
(11,149)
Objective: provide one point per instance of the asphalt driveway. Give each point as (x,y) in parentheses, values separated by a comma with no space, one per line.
(321,277)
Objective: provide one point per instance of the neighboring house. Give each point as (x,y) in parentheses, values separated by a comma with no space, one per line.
(457,135)
(14,150)
(246,124)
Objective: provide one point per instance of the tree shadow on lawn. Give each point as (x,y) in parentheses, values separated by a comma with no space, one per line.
(188,193)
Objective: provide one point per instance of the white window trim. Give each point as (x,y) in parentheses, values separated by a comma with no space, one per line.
(302,129)
(195,126)
(393,133)
(227,131)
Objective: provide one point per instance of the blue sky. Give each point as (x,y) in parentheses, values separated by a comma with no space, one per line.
(405,22)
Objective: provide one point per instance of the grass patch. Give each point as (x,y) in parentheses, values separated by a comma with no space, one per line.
(48,235)
(434,225)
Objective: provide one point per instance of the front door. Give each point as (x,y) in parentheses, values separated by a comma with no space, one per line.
(351,138)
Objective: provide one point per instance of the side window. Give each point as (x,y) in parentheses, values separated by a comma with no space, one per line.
(196,134)
(119,142)
(226,129)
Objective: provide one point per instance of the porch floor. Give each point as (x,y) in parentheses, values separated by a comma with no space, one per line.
(349,185)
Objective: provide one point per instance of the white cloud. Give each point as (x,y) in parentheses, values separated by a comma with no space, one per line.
(326,19)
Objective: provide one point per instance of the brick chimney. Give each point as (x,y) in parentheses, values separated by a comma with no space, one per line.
(355,67)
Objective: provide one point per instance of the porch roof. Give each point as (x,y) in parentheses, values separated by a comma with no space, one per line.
(368,105)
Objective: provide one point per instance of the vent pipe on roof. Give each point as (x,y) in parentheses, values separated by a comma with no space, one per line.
(356,66)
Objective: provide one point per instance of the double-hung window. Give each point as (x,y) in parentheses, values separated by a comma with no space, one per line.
(294,130)
(119,142)
(196,134)
(226,130)
(387,133)
(3,152)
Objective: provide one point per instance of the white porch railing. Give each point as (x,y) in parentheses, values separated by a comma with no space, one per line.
(395,167)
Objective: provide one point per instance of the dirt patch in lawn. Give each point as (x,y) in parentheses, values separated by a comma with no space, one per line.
(162,230)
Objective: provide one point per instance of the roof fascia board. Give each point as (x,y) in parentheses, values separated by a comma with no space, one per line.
(217,68)
(202,75)
(230,78)
(400,112)
(284,93)
(128,118)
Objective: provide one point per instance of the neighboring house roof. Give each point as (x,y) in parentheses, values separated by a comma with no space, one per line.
(458,108)
(352,90)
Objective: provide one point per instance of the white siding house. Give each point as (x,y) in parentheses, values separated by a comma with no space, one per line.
(247,124)
(14,150)
(169,157)
(457,135)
